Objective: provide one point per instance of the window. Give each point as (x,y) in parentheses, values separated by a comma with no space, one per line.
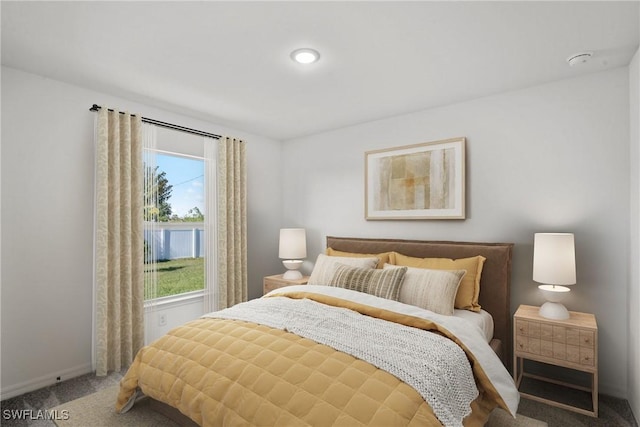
(174,214)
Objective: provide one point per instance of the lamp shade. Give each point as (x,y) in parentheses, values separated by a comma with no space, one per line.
(554,259)
(293,243)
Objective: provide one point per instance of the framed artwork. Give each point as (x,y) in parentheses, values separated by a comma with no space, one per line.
(421,181)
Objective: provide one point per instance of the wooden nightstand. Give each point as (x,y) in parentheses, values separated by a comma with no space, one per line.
(571,343)
(270,283)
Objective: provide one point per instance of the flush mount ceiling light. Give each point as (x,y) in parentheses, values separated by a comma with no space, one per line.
(305,56)
(579,58)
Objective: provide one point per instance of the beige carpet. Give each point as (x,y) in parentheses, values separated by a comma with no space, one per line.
(500,418)
(98,410)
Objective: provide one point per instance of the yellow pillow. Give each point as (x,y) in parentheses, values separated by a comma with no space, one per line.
(467,296)
(383,258)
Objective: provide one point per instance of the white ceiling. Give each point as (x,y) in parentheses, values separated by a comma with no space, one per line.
(228,62)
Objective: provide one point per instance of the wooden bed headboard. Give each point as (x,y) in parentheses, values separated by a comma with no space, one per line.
(495,282)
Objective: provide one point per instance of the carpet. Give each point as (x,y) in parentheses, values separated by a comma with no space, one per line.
(97,410)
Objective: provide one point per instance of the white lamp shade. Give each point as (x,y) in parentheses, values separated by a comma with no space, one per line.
(554,259)
(293,243)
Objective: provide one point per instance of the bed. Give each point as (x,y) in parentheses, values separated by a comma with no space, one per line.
(334,355)
(495,282)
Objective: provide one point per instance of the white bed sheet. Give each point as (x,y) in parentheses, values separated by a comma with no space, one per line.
(481,319)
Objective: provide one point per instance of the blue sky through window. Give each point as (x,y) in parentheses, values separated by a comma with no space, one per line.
(187,177)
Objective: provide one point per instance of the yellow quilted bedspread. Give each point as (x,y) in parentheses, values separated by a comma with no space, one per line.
(233,373)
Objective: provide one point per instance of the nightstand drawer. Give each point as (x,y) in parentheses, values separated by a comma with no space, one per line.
(587,356)
(581,355)
(522,343)
(573,353)
(522,327)
(587,339)
(555,349)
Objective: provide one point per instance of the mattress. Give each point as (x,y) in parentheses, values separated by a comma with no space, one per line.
(481,319)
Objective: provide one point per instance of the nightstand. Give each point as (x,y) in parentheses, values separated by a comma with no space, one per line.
(270,283)
(571,343)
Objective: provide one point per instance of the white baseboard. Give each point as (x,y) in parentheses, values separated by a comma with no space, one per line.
(44,381)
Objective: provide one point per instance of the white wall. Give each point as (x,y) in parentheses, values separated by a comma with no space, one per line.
(548,158)
(176,312)
(634,259)
(47,196)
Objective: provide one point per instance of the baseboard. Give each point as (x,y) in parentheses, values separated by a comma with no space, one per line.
(44,381)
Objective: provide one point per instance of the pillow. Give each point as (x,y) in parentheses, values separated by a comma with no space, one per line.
(467,296)
(433,290)
(381,283)
(383,257)
(326,265)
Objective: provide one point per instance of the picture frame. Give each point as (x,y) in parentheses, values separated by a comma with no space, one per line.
(420,181)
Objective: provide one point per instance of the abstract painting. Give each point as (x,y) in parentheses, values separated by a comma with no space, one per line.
(421,181)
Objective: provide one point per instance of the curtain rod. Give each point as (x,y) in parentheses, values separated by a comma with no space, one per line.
(96,107)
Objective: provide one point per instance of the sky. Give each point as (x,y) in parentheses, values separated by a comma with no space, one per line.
(187,177)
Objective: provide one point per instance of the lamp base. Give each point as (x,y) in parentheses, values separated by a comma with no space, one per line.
(554,310)
(292,272)
(292,275)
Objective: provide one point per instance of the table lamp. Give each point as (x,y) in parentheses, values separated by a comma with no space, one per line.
(293,248)
(554,265)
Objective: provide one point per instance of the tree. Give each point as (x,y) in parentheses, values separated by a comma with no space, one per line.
(157,192)
(194,215)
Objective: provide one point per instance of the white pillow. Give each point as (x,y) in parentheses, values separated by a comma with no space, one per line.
(326,265)
(433,290)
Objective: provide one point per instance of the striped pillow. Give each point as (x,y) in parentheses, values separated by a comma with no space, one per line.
(433,290)
(326,265)
(381,283)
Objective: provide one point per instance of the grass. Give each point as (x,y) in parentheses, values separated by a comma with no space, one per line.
(177,276)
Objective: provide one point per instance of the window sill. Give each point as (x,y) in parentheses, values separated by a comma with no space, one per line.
(174,300)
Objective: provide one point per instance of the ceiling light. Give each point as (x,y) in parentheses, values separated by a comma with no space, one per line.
(579,58)
(305,56)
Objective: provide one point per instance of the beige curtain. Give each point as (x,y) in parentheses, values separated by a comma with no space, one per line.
(231,223)
(118,276)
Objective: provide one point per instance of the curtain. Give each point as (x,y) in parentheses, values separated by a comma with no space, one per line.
(211,294)
(231,219)
(150,229)
(118,257)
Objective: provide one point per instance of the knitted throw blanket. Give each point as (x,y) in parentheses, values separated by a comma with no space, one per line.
(433,365)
